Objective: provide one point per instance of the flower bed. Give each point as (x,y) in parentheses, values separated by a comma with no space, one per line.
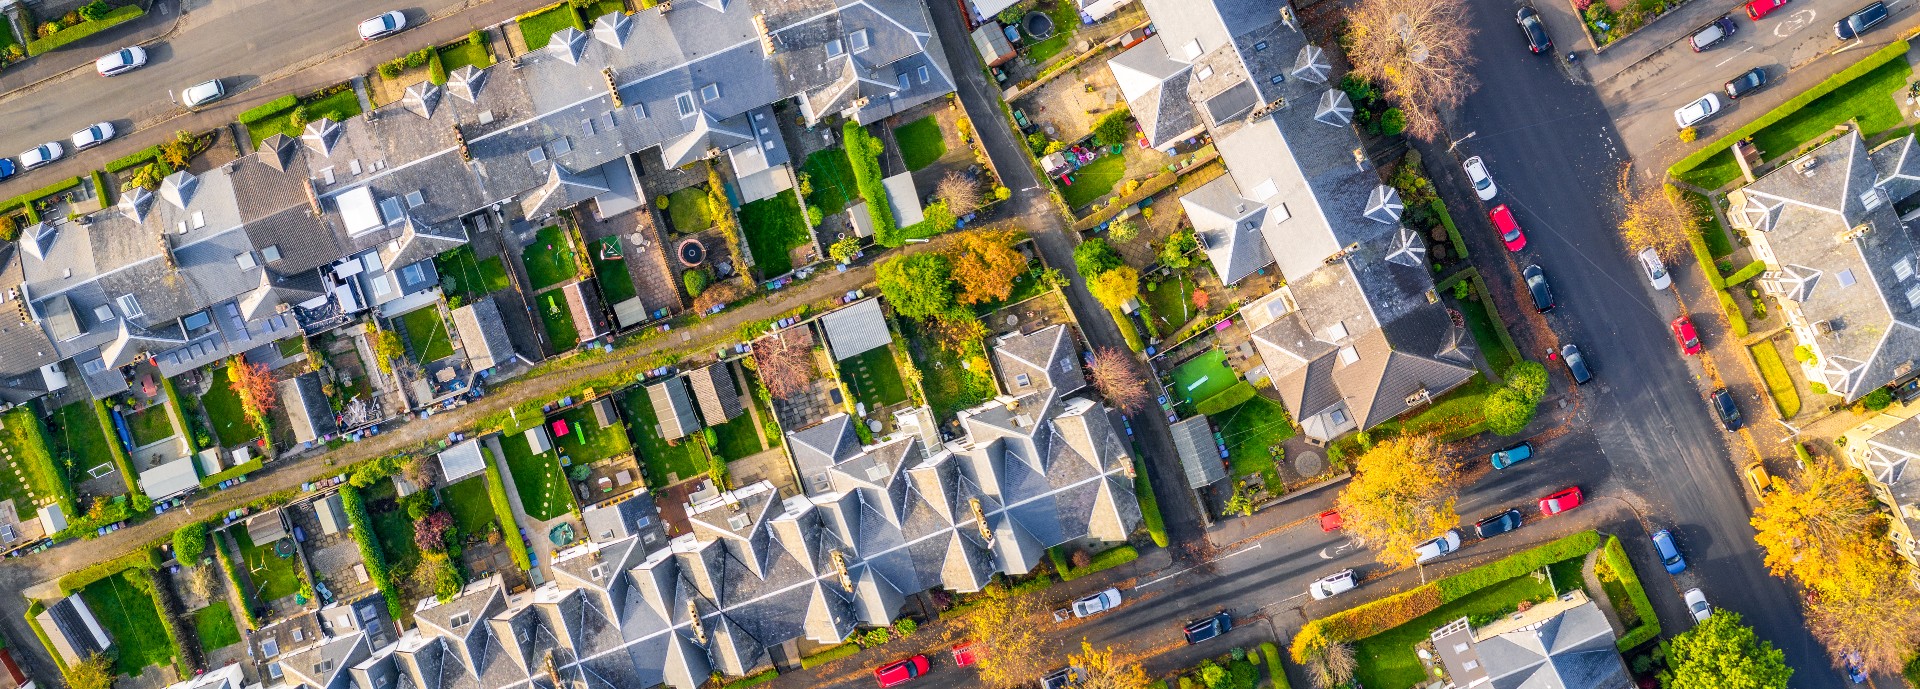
(1605,25)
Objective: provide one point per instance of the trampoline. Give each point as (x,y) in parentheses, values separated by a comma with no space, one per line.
(1038,25)
(691,252)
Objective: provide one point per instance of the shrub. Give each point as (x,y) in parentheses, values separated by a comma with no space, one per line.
(503,510)
(1614,557)
(1688,134)
(9,228)
(1114,128)
(1225,399)
(1746,273)
(1877,400)
(95,11)
(390,70)
(370,552)
(266,110)
(863,152)
(1817,387)
(418,58)
(695,281)
(1803,354)
(478,37)
(190,543)
(1095,256)
(828,656)
(1735,322)
(660,201)
(436,71)
(1392,122)
(815,215)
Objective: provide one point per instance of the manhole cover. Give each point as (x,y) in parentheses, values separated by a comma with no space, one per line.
(1309,463)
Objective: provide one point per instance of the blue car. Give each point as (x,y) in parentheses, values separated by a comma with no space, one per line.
(7,168)
(1512,455)
(1669,552)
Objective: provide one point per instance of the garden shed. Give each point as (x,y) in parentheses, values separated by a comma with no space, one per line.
(855,329)
(167,480)
(538,441)
(465,459)
(266,527)
(1199,455)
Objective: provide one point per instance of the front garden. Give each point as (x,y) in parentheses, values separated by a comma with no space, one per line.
(289,115)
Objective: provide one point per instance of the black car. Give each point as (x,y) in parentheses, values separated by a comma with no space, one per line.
(1576,364)
(1535,30)
(1208,627)
(1498,524)
(1747,83)
(1859,22)
(1538,287)
(1729,412)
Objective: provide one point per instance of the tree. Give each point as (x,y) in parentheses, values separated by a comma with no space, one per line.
(843,250)
(386,347)
(96,672)
(1877,614)
(919,286)
(431,533)
(1174,253)
(1401,493)
(1117,377)
(1417,51)
(9,228)
(1812,531)
(1654,216)
(695,281)
(1201,299)
(985,264)
(253,383)
(1003,625)
(1123,231)
(961,194)
(1114,128)
(784,361)
(1105,669)
(1094,257)
(1115,287)
(718,294)
(1332,666)
(190,543)
(1722,653)
(1511,408)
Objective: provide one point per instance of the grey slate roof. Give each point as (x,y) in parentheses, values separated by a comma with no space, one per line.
(1573,650)
(1045,359)
(483,334)
(714,390)
(1199,455)
(307,407)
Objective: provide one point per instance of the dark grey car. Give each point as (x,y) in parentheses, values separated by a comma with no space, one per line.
(1498,524)
(1538,287)
(1576,364)
(1748,82)
(1859,22)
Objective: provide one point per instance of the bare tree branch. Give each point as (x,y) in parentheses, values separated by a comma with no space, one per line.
(784,361)
(1417,51)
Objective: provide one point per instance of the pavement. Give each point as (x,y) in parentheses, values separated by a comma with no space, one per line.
(260,49)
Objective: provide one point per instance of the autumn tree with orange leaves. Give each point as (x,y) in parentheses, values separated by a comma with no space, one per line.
(1401,493)
(253,383)
(985,264)
(1117,377)
(1105,669)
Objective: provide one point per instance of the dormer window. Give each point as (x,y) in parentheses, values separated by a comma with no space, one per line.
(858,40)
(598,572)
(460,620)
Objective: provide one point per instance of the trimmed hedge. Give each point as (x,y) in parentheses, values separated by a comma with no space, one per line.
(370,552)
(81,30)
(1704,256)
(1453,233)
(233,581)
(133,160)
(863,151)
(1279,673)
(1746,273)
(1128,331)
(100,188)
(142,558)
(1890,53)
(503,510)
(1735,321)
(1493,314)
(1149,506)
(1615,558)
(1226,399)
(1105,560)
(235,472)
(269,109)
(757,678)
(828,656)
(179,414)
(1459,585)
(1800,452)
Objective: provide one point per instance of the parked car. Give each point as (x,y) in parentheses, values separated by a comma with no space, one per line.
(1097,603)
(966,654)
(1669,551)
(1697,605)
(1062,678)
(1207,627)
(1333,584)
(1576,364)
(41,155)
(1760,8)
(1437,546)
(7,168)
(203,93)
(1748,82)
(1713,33)
(1656,269)
(1498,524)
(1684,334)
(901,671)
(1758,477)
(1728,410)
(121,61)
(92,136)
(1860,21)
(1508,228)
(1697,111)
(1561,501)
(1482,182)
(1329,521)
(1538,287)
(1512,455)
(1852,662)
(383,26)
(1535,31)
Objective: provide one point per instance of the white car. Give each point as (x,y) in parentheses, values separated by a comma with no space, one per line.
(122,61)
(92,136)
(1482,182)
(383,26)
(1097,603)
(1333,584)
(1437,546)
(1697,605)
(203,93)
(1697,111)
(1656,270)
(41,155)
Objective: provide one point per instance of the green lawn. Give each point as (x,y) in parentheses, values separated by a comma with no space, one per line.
(921,142)
(129,617)
(831,176)
(539,29)
(230,424)
(874,379)
(586,442)
(291,346)
(1868,98)
(395,531)
(338,107)
(1066,18)
(1485,332)
(1094,180)
(1204,376)
(215,627)
(690,210)
(616,284)
(737,438)
(949,385)
(469,278)
(664,462)
(1387,660)
(1786,399)
(773,228)
(273,576)
(150,426)
(1718,244)
(558,320)
(602,8)
(543,490)
(77,444)
(6,34)
(456,55)
(1171,303)
(1251,431)
(549,258)
(472,508)
(427,334)
(40,472)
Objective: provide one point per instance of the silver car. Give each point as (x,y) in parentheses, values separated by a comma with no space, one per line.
(1482,182)
(121,61)
(203,93)
(1656,270)
(1697,605)
(1697,111)
(41,155)
(1437,546)
(1333,584)
(383,26)
(1097,603)
(92,136)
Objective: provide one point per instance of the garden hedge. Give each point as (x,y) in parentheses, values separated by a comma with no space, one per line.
(762,677)
(268,109)
(1225,399)
(142,558)
(1128,331)
(370,552)
(233,581)
(236,472)
(179,415)
(1735,321)
(84,29)
(1274,669)
(1453,233)
(863,151)
(1149,506)
(135,159)
(1105,560)
(114,448)
(1459,585)
(503,510)
(1614,556)
(1800,452)
(172,618)
(1746,273)
(1867,64)
(828,656)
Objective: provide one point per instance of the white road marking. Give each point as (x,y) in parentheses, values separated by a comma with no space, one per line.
(1161,579)
(1255,546)
(1337,549)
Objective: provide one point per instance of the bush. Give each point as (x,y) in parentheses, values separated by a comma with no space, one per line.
(1107,559)
(828,656)
(1392,122)
(1225,399)
(265,110)
(390,70)
(9,228)
(370,552)
(95,11)
(1892,52)
(1877,400)
(418,58)
(1271,654)
(190,543)
(863,152)
(478,37)
(695,281)
(1095,256)
(1688,134)
(1149,507)
(1114,128)
(1746,273)
(1735,322)
(503,510)
(1614,556)
(436,71)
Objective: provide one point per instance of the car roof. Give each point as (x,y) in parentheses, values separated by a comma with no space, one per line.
(1503,217)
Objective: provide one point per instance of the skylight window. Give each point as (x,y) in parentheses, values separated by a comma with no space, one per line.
(1913,296)
(835,48)
(684,102)
(416,198)
(1204,72)
(130,305)
(858,40)
(925,74)
(710,93)
(1846,278)
(1903,269)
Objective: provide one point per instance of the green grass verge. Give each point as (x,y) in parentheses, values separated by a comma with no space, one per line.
(774,227)
(128,615)
(118,15)
(544,492)
(921,142)
(427,334)
(1094,180)
(338,107)
(680,461)
(549,258)
(831,178)
(539,27)
(268,109)
(1779,383)
(1868,99)
(214,625)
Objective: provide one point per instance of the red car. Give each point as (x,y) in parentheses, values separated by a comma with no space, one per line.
(1329,521)
(1759,8)
(1684,334)
(900,671)
(1562,501)
(966,654)
(1509,228)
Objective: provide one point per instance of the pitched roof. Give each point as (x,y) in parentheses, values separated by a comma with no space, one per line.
(673,408)
(307,407)
(483,334)
(1199,454)
(462,460)
(855,329)
(714,389)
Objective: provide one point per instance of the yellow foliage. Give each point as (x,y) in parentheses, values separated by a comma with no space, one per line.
(1401,493)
